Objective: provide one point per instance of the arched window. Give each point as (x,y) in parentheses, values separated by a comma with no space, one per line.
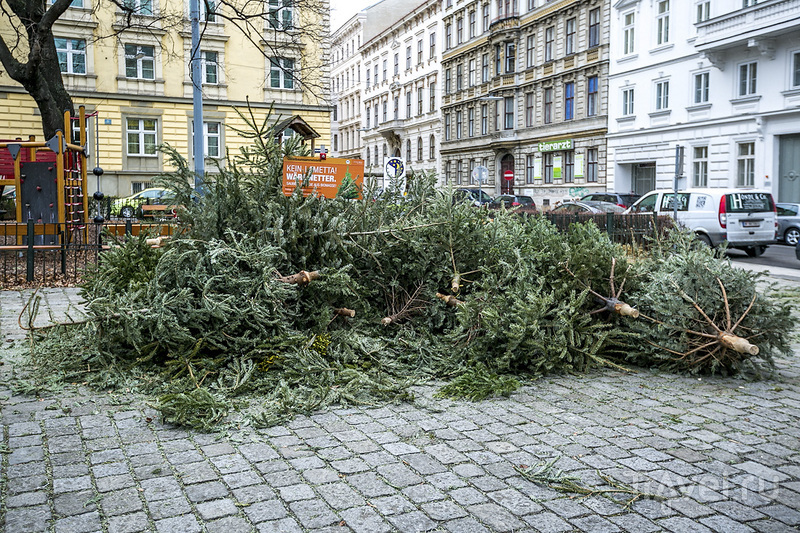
(408,150)
(432,148)
(419,148)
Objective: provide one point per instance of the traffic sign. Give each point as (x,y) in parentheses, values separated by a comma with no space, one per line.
(509,175)
(480,174)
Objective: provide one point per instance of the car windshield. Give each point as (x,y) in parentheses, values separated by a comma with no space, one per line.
(483,196)
(748,202)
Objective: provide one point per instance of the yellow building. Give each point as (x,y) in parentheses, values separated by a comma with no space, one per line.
(133,70)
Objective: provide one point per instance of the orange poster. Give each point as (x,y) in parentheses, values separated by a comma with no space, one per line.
(328,177)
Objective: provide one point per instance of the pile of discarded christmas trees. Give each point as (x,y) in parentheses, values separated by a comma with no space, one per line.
(298,302)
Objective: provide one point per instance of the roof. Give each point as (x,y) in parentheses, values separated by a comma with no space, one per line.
(297,124)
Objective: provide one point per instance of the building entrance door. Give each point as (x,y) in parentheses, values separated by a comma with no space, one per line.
(506,165)
(789,169)
(644,177)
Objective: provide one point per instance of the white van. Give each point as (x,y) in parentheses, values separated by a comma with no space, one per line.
(745,218)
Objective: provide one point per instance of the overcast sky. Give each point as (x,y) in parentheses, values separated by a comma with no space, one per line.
(341,10)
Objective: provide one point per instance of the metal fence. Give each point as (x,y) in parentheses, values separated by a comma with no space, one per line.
(34,254)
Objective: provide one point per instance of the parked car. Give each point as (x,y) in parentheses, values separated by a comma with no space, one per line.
(127,207)
(475,196)
(621,199)
(788,223)
(518,203)
(745,218)
(588,207)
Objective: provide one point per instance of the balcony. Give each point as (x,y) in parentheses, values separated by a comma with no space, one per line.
(754,27)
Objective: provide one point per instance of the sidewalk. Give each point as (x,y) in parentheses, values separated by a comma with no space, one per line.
(725,454)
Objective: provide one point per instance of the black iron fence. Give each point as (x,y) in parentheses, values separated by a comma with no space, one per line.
(54,254)
(34,254)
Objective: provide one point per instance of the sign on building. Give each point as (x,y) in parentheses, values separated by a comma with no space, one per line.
(331,178)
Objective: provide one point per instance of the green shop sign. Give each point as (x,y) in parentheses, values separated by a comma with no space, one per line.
(553,146)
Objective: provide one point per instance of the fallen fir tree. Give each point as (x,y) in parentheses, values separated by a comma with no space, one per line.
(291,304)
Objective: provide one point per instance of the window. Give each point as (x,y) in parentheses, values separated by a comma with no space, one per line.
(368,76)
(385,111)
(508,114)
(591,96)
(529,102)
(140,7)
(796,69)
(384,151)
(459,175)
(484,119)
(700,167)
(471,75)
(408,150)
(211,139)
(459,77)
(420,99)
(627,102)
(703,11)
(485,67)
(485,16)
(432,91)
(548,105)
(531,5)
(591,165)
(448,35)
(408,104)
(701,88)
(459,30)
(281,73)
(396,113)
(471,122)
(459,124)
(375,109)
(471,24)
(385,65)
(419,52)
(419,148)
(140,62)
(548,43)
(408,58)
(569,100)
(498,59)
(568,170)
(662,22)
(629,34)
(368,119)
(432,147)
(432,46)
(76,3)
(530,167)
(448,173)
(397,64)
(662,95)
(569,43)
(748,3)
(594,28)
(208,10)
(369,158)
(281,14)
(530,51)
(141,135)
(548,167)
(447,126)
(447,81)
(511,57)
(747,79)
(209,62)
(71,55)
(745,163)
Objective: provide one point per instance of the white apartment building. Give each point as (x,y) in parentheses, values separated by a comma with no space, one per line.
(346,88)
(401,90)
(725,85)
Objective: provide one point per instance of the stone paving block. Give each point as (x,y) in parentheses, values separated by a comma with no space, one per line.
(736,510)
(391,505)
(253,494)
(399,475)
(264,511)
(495,517)
(199,472)
(465,525)
(75,503)
(782,513)
(27,519)
(62,485)
(27,499)
(129,523)
(365,520)
(168,508)
(468,496)
(422,493)
(724,524)
(566,508)
(682,525)
(83,523)
(488,483)
(159,488)
(293,493)
(242,479)
(594,524)
(414,521)
(202,492)
(178,524)
(216,509)
(18,485)
(228,524)
(313,513)
(548,523)
(285,525)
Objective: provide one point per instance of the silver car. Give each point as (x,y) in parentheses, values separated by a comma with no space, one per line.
(788,223)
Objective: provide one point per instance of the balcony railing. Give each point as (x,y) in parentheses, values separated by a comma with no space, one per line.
(759,20)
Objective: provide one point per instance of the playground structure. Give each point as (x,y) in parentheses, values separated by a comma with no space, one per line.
(50,182)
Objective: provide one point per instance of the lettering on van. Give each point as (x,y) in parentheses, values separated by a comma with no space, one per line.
(750,201)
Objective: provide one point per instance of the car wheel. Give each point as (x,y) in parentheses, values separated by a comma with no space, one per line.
(792,236)
(127,212)
(755,251)
(705,239)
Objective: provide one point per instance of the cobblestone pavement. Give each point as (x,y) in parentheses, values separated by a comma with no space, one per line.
(724,454)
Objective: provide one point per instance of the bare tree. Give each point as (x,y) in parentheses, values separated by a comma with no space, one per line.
(29,56)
